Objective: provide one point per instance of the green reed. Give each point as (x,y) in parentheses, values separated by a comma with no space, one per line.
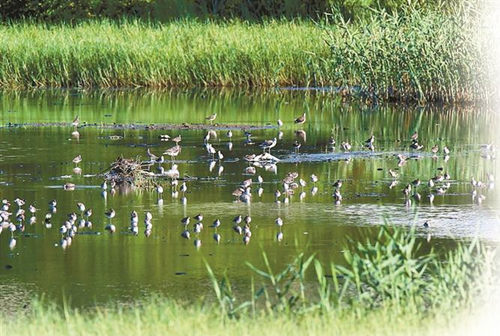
(391,270)
(419,55)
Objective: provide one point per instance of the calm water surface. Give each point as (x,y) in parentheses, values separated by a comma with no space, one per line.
(99,268)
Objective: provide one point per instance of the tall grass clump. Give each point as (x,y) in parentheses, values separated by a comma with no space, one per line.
(416,56)
(184,53)
(419,55)
(387,285)
(391,270)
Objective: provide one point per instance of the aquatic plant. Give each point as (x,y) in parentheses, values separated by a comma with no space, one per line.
(415,56)
(391,270)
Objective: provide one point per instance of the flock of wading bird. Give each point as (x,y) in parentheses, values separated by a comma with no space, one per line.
(80,219)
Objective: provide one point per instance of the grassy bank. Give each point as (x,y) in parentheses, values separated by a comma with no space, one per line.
(387,286)
(163,317)
(423,55)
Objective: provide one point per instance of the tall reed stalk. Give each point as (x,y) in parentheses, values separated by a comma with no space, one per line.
(421,55)
(391,270)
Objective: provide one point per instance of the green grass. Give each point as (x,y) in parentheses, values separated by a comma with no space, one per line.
(158,317)
(422,55)
(388,285)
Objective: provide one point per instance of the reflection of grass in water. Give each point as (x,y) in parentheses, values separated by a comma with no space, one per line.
(241,106)
(387,286)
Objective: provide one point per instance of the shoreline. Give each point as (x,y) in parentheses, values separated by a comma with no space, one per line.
(146,127)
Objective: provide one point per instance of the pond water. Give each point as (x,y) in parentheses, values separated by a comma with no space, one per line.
(99,267)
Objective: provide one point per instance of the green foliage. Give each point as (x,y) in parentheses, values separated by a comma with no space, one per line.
(389,271)
(419,56)
(75,10)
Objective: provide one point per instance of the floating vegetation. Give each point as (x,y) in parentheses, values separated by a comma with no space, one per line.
(130,173)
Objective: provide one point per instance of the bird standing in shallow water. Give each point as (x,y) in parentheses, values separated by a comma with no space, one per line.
(247,220)
(301,134)
(337,196)
(331,143)
(345,146)
(177,139)
(185,234)
(314,178)
(77,159)
(416,146)
(337,184)
(301,119)
(237,220)
(393,173)
(211,117)
(216,223)
(32,209)
(268,144)
(370,141)
(159,190)
(53,206)
(296,146)
(183,188)
(151,156)
(75,122)
(81,207)
(110,214)
(69,186)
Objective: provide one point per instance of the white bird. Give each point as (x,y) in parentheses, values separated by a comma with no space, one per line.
(217,237)
(268,144)
(111,228)
(186,234)
(81,207)
(216,223)
(183,188)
